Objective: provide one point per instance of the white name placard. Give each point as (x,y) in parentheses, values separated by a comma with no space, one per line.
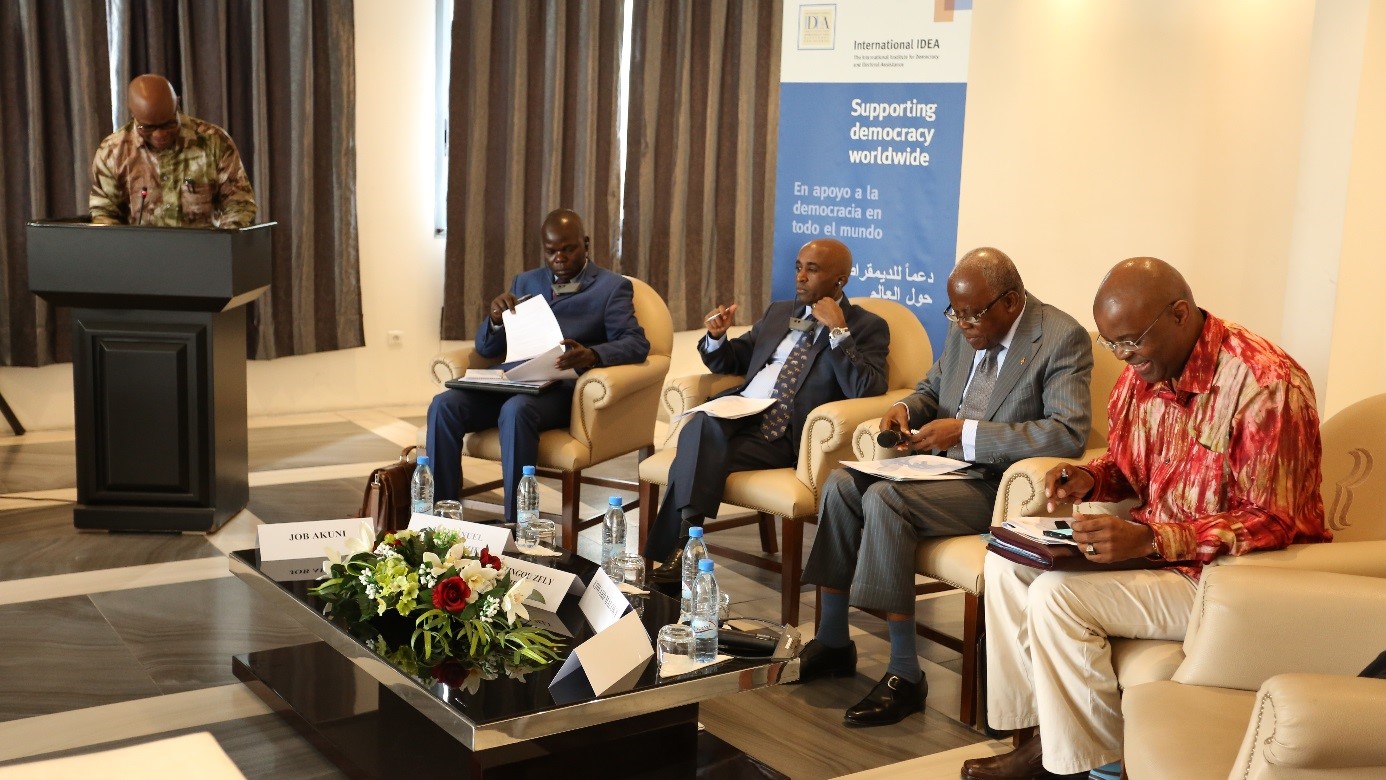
(603,603)
(311,539)
(550,583)
(543,618)
(612,659)
(495,538)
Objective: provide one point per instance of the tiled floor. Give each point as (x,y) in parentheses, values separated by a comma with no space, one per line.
(117,639)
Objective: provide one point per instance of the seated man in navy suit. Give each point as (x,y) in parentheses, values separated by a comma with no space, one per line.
(594,309)
(803,353)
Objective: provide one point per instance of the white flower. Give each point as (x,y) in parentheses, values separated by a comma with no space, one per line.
(479,578)
(361,543)
(457,554)
(435,566)
(513,600)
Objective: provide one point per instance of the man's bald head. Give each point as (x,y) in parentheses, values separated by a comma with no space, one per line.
(821,270)
(993,267)
(152,100)
(565,243)
(1131,307)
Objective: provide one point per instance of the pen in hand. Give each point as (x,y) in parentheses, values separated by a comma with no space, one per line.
(718,315)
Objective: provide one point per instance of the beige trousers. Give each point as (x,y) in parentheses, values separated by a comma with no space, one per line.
(1049,663)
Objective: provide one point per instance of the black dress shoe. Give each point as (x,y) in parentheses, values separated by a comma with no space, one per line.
(671,568)
(889,702)
(818,660)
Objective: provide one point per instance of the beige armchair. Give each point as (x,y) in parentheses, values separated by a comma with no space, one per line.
(955,562)
(1354,501)
(613,413)
(791,494)
(1267,688)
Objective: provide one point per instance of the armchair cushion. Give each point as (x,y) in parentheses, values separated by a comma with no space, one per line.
(1183,732)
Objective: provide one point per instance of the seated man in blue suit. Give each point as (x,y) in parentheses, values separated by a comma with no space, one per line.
(803,353)
(594,309)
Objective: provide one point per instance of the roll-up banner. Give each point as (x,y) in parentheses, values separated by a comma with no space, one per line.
(872,94)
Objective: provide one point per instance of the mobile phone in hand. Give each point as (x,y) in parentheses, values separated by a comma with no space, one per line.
(1060,531)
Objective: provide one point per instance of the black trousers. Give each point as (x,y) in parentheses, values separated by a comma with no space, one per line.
(709,449)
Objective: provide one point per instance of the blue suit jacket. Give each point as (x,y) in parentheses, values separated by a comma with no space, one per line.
(856,369)
(599,316)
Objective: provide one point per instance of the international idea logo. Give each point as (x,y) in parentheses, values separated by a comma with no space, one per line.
(817,25)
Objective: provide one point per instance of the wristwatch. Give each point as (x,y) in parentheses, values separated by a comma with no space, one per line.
(838,334)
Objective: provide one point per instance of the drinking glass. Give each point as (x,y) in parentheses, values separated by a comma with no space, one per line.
(631,568)
(674,641)
(723,607)
(539,531)
(449,509)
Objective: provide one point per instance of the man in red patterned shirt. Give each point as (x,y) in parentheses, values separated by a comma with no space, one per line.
(1214,432)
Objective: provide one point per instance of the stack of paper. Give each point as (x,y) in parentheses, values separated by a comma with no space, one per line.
(912,468)
(1034,528)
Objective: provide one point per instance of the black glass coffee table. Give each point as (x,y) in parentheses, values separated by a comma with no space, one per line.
(375,718)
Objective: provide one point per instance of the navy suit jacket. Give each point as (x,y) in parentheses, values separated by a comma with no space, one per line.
(857,368)
(599,316)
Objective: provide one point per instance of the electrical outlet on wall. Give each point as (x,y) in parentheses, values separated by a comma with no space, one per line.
(394,338)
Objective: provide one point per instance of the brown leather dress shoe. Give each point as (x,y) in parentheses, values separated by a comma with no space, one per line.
(1023,763)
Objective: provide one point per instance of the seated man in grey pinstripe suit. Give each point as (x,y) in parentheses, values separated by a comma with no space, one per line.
(1012,383)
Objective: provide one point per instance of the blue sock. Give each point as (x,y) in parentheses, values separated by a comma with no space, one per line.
(832,624)
(1111,771)
(904,657)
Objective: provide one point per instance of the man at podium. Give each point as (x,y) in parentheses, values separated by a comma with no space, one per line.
(167,169)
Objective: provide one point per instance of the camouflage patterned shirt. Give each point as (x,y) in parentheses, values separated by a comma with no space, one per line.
(197,182)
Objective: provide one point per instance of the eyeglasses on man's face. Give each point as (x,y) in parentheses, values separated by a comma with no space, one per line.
(973,319)
(148,130)
(1127,347)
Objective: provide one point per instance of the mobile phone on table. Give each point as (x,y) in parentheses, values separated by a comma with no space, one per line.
(1060,531)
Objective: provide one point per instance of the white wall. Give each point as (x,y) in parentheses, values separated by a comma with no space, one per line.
(1184,129)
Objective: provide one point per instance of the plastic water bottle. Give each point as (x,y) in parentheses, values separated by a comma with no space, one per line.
(526,501)
(705,604)
(695,551)
(421,488)
(613,537)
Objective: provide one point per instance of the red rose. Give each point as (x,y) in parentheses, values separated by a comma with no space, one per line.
(452,673)
(487,559)
(451,594)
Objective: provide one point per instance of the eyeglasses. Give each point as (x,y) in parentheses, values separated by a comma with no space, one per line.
(148,130)
(1124,349)
(973,319)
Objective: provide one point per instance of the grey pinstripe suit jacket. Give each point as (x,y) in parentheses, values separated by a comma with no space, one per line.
(1041,404)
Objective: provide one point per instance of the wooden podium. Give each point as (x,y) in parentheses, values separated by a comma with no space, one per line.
(158,366)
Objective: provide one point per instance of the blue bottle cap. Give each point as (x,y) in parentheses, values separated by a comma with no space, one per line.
(613,501)
(696,532)
(528,471)
(422,460)
(705,564)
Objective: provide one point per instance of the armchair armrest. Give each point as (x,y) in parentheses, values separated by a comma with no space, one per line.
(864,444)
(686,392)
(827,437)
(619,402)
(1250,623)
(1022,488)
(455,362)
(1315,722)
(1365,559)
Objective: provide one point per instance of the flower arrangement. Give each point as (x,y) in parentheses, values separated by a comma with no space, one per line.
(463,605)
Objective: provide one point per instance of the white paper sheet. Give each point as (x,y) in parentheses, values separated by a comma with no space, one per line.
(530,330)
(731,407)
(1034,528)
(911,468)
(540,368)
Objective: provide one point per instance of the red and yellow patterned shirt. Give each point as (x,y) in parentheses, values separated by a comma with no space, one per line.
(1225,459)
